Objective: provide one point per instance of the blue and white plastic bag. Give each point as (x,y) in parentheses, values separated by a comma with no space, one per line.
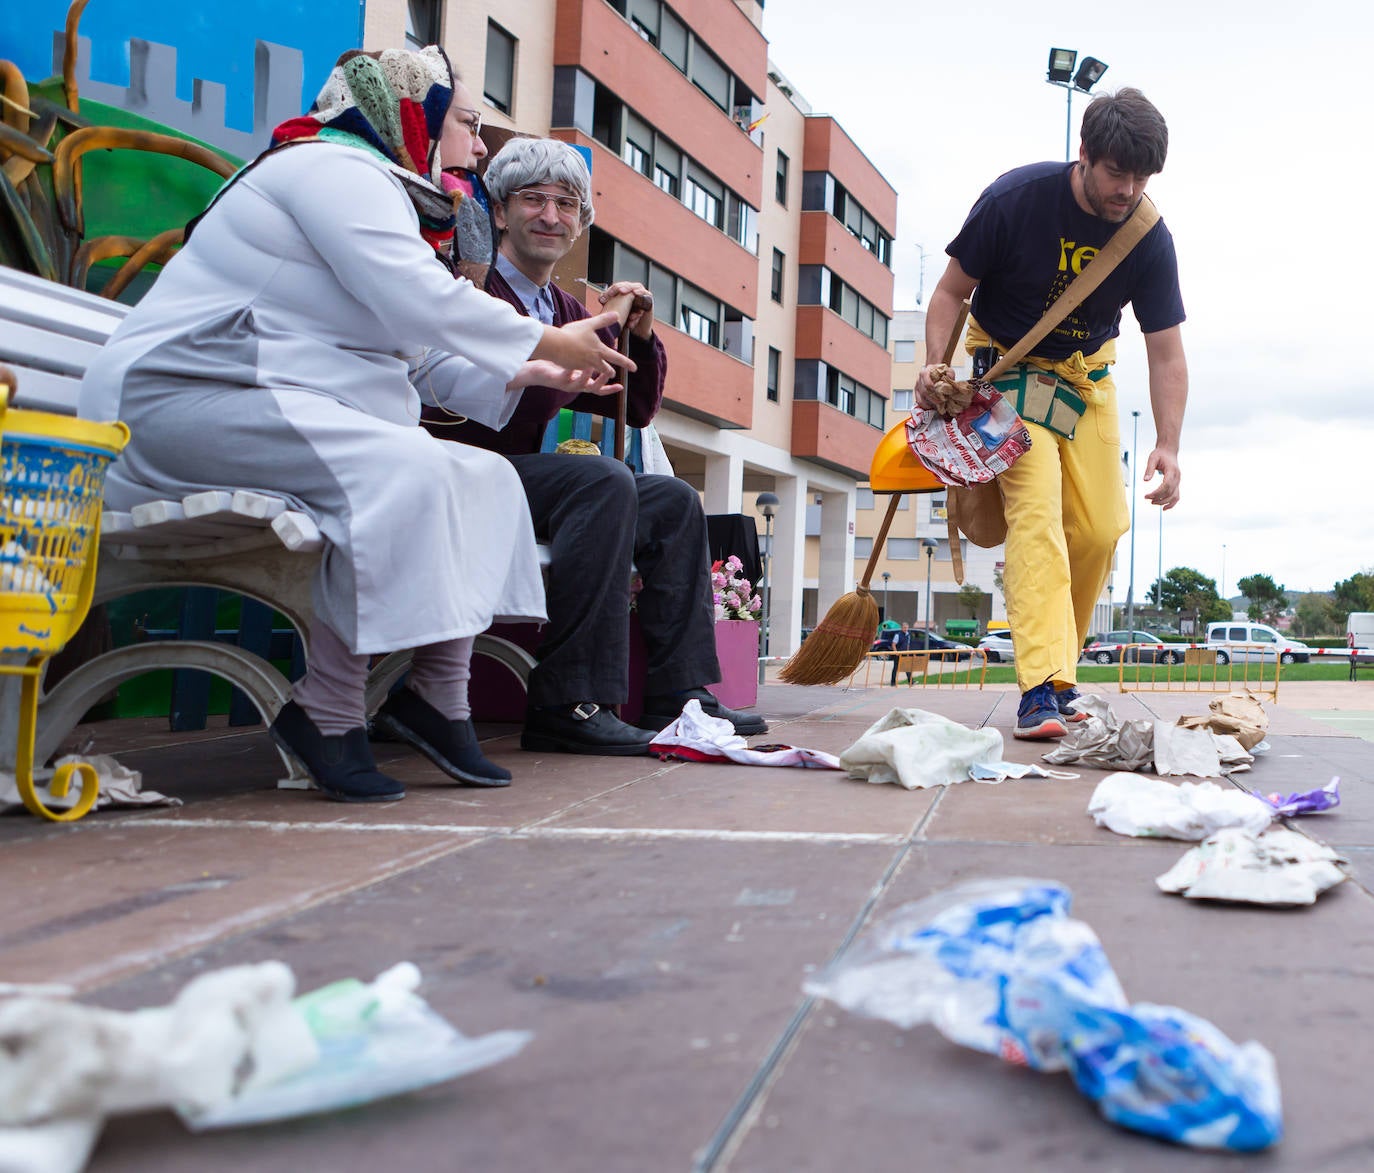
(1000,966)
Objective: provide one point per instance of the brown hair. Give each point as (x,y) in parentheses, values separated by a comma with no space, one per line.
(1125,128)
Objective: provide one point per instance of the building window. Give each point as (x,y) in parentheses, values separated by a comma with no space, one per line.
(902,400)
(422,23)
(704,202)
(499,86)
(699,326)
(636,156)
(863,498)
(904,350)
(665,179)
(776,288)
(780,183)
(774,365)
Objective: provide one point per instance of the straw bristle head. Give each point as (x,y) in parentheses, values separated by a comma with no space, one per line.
(839,643)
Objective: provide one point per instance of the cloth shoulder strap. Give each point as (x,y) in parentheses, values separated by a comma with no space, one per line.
(1145,216)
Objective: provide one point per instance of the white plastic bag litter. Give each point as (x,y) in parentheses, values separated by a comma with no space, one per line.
(232,1048)
(916,749)
(1132,804)
(999,966)
(1279,867)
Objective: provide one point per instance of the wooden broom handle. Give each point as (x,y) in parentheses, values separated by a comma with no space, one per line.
(954,336)
(621,305)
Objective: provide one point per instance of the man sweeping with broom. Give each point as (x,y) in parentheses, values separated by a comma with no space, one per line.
(1029,234)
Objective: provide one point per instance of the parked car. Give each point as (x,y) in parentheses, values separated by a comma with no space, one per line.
(996,645)
(1254,643)
(1109,647)
(918,644)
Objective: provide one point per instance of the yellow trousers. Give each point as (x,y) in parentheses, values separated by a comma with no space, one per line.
(1066,507)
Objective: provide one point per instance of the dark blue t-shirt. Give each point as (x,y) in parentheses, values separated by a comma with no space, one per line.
(1026,239)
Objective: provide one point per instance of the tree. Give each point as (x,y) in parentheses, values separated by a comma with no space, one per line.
(971,599)
(1355,593)
(1267,598)
(1316,614)
(1183,589)
(1214,610)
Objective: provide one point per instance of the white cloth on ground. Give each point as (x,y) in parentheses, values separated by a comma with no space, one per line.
(119,787)
(916,749)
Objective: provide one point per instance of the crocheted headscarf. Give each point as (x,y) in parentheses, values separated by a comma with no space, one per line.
(391,104)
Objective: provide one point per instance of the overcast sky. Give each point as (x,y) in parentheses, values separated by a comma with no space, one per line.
(1266,191)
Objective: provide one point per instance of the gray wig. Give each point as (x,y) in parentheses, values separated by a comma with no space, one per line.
(528,162)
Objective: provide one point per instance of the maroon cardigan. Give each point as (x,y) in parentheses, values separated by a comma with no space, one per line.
(524,433)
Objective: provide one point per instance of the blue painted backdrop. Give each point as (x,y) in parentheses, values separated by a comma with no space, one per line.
(213,41)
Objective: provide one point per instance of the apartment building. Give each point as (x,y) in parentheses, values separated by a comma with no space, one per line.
(764,232)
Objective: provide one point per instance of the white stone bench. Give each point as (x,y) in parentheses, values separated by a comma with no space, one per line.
(250,543)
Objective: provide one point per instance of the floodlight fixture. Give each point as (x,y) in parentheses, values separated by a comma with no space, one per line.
(1061,65)
(1089,73)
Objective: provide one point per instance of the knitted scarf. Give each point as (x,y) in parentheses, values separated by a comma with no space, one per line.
(391,104)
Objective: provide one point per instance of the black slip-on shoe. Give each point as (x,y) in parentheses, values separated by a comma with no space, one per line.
(341,766)
(584,728)
(451,745)
(662,711)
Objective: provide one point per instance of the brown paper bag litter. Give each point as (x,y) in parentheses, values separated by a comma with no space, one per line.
(1239,714)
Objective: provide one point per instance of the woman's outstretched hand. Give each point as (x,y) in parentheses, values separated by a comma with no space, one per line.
(542,373)
(576,346)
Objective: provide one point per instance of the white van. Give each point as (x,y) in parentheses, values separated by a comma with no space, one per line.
(1254,642)
(1359,629)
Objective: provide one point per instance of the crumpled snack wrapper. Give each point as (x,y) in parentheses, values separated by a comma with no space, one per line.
(1277,867)
(1240,715)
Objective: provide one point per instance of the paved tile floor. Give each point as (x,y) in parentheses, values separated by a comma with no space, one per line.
(652,923)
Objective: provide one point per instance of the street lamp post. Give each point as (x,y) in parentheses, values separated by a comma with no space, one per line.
(886,576)
(1159,569)
(1223,571)
(1135,456)
(767,504)
(1061,73)
(930,545)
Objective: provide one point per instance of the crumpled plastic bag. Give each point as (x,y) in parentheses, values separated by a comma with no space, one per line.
(1132,804)
(999,966)
(232,1048)
(1278,867)
(917,749)
(1240,715)
(1306,802)
(1104,740)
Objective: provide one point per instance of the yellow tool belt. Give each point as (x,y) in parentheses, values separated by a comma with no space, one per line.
(1047,392)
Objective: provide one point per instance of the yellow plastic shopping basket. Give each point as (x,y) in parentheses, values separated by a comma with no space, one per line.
(54,475)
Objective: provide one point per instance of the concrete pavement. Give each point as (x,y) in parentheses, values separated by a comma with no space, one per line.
(652,924)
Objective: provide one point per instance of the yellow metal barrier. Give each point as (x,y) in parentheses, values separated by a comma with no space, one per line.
(1202,670)
(54,475)
(938,668)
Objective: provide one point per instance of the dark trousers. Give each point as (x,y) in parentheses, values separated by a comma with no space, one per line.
(597,516)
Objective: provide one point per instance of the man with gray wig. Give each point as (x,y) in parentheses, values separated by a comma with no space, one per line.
(598,517)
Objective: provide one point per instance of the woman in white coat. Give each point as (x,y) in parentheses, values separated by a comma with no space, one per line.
(274,353)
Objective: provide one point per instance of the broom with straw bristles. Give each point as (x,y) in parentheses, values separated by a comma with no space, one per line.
(843,637)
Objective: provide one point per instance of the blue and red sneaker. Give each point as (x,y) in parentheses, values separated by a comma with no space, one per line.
(1063,697)
(1038,717)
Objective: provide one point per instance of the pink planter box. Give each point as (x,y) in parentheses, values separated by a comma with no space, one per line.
(737,648)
